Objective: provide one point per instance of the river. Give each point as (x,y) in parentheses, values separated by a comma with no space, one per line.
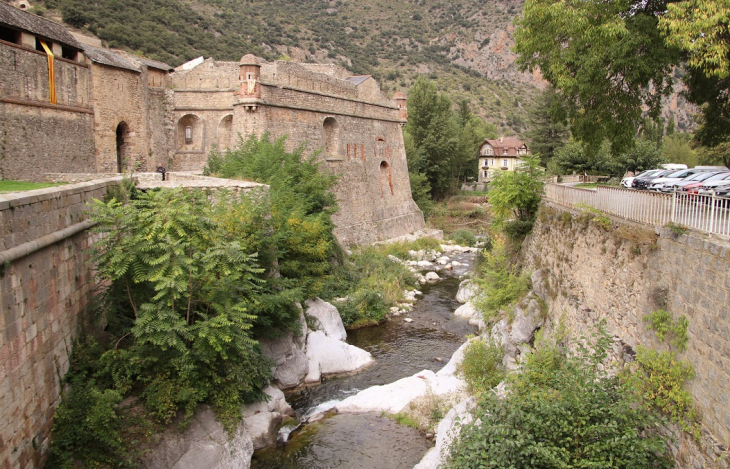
(400,349)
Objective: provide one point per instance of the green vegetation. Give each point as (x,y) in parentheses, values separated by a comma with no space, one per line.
(614,61)
(17,186)
(499,280)
(594,215)
(482,367)
(563,410)
(677,229)
(517,193)
(463,237)
(575,157)
(547,126)
(661,322)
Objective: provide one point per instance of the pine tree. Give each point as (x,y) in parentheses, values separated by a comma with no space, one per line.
(548,131)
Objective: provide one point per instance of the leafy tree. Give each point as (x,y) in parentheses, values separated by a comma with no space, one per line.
(641,156)
(547,130)
(189,297)
(434,135)
(677,149)
(472,132)
(563,410)
(608,59)
(717,155)
(517,192)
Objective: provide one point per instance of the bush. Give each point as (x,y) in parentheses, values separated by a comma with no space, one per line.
(516,230)
(482,367)
(463,237)
(567,414)
(499,283)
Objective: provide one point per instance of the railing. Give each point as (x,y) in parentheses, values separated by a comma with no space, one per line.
(702,212)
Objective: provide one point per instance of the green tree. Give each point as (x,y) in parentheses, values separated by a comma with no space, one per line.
(517,192)
(189,297)
(472,132)
(434,135)
(677,149)
(641,156)
(547,129)
(608,59)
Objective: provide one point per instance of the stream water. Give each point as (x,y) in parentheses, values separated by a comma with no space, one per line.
(400,349)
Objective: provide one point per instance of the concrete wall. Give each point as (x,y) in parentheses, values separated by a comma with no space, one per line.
(627,271)
(42,295)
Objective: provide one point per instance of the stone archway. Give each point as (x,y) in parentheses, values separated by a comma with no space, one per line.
(225,133)
(123,145)
(331,139)
(190,133)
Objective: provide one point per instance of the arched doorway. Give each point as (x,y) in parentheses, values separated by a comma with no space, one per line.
(331,139)
(122,145)
(386,179)
(225,133)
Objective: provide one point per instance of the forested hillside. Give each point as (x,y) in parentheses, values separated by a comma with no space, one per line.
(462,45)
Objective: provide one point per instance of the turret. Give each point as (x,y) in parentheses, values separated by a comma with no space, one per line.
(400,99)
(250,76)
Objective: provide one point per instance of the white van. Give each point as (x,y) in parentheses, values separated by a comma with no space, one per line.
(673,166)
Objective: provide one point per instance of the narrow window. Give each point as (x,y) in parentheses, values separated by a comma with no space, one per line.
(9,35)
(188,134)
(505,163)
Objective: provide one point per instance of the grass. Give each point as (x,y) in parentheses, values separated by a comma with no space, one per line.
(587,185)
(19,186)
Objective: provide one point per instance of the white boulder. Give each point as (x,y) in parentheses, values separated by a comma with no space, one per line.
(467,290)
(432,276)
(466,311)
(335,357)
(204,443)
(448,429)
(327,318)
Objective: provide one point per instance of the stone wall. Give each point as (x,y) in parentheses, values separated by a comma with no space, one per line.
(626,271)
(34,134)
(42,295)
(119,97)
(363,146)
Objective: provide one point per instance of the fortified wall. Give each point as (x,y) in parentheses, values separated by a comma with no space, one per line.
(103,110)
(45,283)
(621,273)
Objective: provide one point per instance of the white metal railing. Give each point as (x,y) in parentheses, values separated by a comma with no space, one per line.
(702,212)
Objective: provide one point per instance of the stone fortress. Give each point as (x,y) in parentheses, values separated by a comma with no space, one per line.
(68,105)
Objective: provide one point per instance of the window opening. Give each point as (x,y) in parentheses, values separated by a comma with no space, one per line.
(9,35)
(188,134)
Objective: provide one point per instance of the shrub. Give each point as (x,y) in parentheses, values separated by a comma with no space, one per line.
(482,367)
(569,413)
(463,237)
(500,285)
(516,230)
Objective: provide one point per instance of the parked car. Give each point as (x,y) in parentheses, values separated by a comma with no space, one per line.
(695,180)
(673,166)
(709,188)
(657,184)
(642,182)
(626,182)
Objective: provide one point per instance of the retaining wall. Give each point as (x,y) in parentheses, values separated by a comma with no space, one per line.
(45,283)
(624,272)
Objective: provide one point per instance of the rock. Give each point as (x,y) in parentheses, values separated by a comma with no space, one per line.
(478,321)
(432,276)
(276,403)
(541,284)
(467,290)
(262,428)
(424,264)
(204,443)
(408,320)
(447,430)
(455,263)
(465,311)
(443,260)
(395,259)
(314,375)
(396,396)
(526,322)
(287,353)
(334,356)
(328,318)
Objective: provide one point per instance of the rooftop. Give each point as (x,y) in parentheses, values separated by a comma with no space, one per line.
(44,28)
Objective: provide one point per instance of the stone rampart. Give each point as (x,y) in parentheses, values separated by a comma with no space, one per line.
(624,272)
(46,283)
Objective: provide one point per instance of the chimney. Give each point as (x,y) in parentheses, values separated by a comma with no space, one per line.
(501,139)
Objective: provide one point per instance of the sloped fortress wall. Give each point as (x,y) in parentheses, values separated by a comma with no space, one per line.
(357,130)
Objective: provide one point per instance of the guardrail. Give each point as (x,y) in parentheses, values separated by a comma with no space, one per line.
(702,212)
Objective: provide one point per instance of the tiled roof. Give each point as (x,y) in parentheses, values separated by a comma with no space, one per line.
(24,21)
(155,64)
(507,142)
(108,57)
